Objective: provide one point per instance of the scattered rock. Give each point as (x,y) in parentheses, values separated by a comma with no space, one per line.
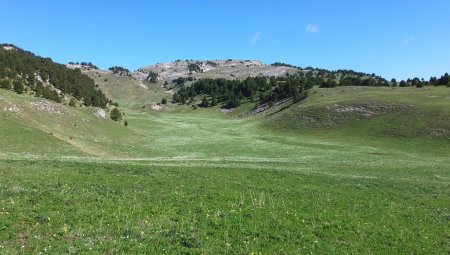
(12,108)
(51,108)
(9,48)
(99,113)
(226,110)
(367,109)
(156,107)
(217,68)
(265,107)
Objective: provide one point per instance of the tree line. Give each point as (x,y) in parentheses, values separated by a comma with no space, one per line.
(352,80)
(36,73)
(343,77)
(119,70)
(230,93)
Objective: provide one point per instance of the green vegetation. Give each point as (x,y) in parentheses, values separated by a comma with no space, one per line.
(116,115)
(231,92)
(25,67)
(235,206)
(18,87)
(348,169)
(118,70)
(152,77)
(72,103)
(213,64)
(194,68)
(87,64)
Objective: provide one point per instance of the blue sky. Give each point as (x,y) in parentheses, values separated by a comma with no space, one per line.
(396,38)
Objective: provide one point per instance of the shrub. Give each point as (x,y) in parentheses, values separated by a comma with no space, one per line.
(194,68)
(214,102)
(116,115)
(72,103)
(205,102)
(4,84)
(152,77)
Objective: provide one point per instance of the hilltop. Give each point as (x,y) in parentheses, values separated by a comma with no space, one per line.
(228,69)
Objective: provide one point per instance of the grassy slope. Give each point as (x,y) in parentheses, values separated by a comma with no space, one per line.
(196,181)
(420,125)
(128,92)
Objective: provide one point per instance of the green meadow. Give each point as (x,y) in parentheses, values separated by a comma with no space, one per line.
(360,170)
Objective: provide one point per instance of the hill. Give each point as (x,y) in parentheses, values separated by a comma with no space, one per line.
(349,169)
(228,69)
(200,181)
(23,71)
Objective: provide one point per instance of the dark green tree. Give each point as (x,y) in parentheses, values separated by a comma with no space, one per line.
(116,115)
(444,80)
(214,101)
(72,103)
(393,82)
(205,102)
(152,77)
(18,87)
(5,84)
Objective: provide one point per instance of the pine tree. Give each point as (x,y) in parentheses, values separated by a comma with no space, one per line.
(72,103)
(5,84)
(205,102)
(18,87)
(116,115)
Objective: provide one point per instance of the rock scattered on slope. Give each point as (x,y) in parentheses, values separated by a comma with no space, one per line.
(367,109)
(169,71)
(12,108)
(99,113)
(50,107)
(156,107)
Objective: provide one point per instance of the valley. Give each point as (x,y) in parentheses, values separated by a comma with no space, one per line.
(184,180)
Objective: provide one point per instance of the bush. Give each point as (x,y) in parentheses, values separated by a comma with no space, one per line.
(18,87)
(214,102)
(125,123)
(116,115)
(4,84)
(72,103)
(194,68)
(164,101)
(119,70)
(152,77)
(205,102)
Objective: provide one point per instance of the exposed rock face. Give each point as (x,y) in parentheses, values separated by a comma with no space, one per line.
(9,48)
(87,68)
(209,68)
(99,113)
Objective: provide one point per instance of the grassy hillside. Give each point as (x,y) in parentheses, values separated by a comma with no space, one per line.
(129,92)
(185,181)
(409,119)
(27,121)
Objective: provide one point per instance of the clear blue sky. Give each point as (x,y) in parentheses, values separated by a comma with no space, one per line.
(393,38)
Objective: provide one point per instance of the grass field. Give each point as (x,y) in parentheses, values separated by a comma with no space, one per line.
(184,181)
